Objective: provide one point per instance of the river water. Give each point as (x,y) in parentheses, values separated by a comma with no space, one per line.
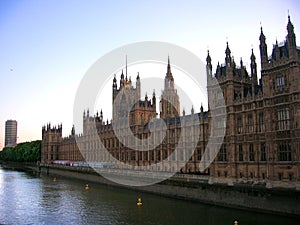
(29,198)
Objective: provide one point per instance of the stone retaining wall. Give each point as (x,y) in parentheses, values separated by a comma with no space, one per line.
(255,198)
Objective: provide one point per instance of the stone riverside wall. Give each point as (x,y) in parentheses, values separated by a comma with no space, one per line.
(255,198)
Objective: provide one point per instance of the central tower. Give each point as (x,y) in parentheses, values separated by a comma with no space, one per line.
(169,103)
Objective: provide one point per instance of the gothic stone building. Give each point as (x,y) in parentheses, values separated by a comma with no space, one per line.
(262,139)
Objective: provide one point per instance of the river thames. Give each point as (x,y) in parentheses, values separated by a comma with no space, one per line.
(29,198)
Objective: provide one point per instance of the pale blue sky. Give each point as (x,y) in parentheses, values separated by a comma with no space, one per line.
(47,46)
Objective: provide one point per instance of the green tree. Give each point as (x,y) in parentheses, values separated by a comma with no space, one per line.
(23,152)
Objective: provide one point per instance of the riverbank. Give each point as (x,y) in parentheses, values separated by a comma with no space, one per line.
(194,188)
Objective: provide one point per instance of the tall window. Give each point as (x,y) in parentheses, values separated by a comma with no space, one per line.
(199,155)
(284,151)
(263,156)
(251,152)
(146,156)
(240,125)
(222,156)
(173,156)
(261,124)
(152,155)
(283,119)
(132,155)
(241,156)
(158,155)
(219,96)
(221,122)
(181,155)
(250,124)
(280,83)
(220,126)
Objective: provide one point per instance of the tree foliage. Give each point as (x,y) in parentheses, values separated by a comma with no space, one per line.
(23,152)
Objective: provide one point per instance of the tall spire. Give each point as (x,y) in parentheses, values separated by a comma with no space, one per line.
(169,73)
(169,103)
(290,26)
(262,37)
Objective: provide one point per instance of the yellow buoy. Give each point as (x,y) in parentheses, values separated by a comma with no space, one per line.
(86,187)
(139,203)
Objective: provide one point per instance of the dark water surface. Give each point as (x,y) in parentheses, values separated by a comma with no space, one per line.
(26,198)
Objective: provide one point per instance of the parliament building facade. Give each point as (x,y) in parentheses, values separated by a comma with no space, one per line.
(262,137)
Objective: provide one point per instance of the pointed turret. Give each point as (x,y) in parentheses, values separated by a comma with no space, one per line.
(114,87)
(229,63)
(277,51)
(73,131)
(101,115)
(253,63)
(208,58)
(122,79)
(263,48)
(253,72)
(291,39)
(228,56)
(233,62)
(138,86)
(291,33)
(154,98)
(208,64)
(242,69)
(115,82)
(218,70)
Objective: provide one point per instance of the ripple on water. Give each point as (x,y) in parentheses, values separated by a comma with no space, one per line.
(28,199)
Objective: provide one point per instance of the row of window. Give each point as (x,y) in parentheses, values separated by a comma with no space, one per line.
(249,128)
(284,152)
(251,175)
(283,121)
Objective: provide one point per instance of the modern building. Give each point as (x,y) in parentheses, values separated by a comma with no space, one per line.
(262,123)
(10,133)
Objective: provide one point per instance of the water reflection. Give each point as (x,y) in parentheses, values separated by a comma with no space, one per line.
(26,198)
